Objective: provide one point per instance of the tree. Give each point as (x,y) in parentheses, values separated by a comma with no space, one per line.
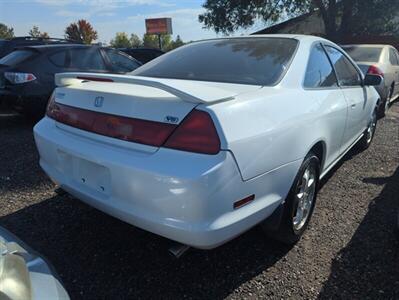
(166,42)
(121,40)
(135,40)
(340,17)
(82,31)
(177,42)
(6,32)
(152,41)
(35,32)
(44,35)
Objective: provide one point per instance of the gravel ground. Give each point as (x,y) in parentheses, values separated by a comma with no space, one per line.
(349,251)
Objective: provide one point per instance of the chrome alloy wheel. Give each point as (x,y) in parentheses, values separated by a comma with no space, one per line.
(306,191)
(371,128)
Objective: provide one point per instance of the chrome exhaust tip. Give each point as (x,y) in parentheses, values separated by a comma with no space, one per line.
(177,250)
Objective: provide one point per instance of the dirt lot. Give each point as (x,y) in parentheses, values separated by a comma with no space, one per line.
(350,250)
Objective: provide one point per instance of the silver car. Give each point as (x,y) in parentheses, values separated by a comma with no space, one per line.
(24,274)
(381,60)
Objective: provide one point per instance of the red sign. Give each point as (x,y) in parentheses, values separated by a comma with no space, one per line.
(159,26)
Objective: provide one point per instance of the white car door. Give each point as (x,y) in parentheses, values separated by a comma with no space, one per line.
(350,82)
(321,84)
(394,58)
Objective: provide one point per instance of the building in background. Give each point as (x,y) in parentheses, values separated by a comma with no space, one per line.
(312,23)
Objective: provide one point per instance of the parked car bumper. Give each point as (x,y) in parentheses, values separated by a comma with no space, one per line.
(25,274)
(26,98)
(182,196)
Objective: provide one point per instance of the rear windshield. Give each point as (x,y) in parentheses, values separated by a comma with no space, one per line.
(257,61)
(16,57)
(371,54)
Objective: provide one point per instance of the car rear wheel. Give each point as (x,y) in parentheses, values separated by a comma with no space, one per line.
(300,202)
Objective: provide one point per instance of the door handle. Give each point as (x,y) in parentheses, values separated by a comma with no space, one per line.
(353,106)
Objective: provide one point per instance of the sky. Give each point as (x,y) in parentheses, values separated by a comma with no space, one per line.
(106,16)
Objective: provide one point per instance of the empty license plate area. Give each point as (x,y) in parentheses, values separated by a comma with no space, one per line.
(86,173)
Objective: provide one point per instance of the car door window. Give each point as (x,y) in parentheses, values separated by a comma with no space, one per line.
(120,62)
(319,72)
(347,74)
(59,59)
(89,59)
(393,58)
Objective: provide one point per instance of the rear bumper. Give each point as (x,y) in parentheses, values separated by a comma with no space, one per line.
(182,196)
(7,97)
(26,98)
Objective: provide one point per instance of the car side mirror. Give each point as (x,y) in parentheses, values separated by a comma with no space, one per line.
(372,80)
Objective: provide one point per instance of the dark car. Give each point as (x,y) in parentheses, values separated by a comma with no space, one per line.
(143,55)
(27,74)
(9,45)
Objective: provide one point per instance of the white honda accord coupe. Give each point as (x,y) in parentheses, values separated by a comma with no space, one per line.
(211,139)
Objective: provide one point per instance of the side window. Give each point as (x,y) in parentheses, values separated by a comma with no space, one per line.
(89,59)
(393,58)
(59,59)
(346,72)
(120,62)
(319,72)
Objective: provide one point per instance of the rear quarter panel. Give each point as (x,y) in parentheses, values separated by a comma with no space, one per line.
(274,127)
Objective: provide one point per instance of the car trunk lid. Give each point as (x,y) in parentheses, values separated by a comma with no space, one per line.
(187,90)
(156,107)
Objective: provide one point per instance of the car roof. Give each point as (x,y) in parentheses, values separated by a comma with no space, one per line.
(299,37)
(44,48)
(60,46)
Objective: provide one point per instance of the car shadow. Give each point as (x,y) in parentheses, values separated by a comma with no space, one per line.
(374,242)
(348,156)
(98,256)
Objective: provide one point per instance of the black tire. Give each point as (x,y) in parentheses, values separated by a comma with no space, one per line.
(366,141)
(384,106)
(287,232)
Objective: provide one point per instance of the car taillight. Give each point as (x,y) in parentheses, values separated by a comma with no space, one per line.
(16,77)
(196,133)
(375,71)
(119,127)
(50,111)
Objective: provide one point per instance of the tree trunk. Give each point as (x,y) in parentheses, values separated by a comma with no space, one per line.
(329,16)
(345,26)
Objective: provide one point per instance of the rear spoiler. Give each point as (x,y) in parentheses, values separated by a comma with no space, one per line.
(183,89)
